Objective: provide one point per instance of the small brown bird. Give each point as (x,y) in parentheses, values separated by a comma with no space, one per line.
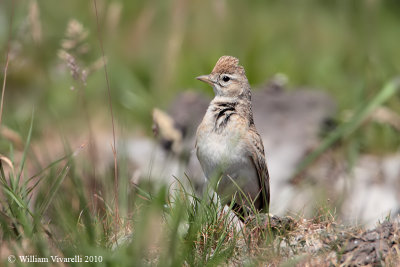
(228,145)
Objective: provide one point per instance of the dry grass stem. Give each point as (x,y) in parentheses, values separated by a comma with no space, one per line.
(34,19)
(113,147)
(3,90)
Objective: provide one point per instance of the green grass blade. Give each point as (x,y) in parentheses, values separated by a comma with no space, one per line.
(14,197)
(355,122)
(53,189)
(20,202)
(27,144)
(52,164)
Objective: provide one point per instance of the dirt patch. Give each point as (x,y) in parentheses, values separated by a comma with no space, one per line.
(373,246)
(325,243)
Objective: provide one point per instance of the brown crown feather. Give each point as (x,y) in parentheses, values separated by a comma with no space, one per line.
(229,65)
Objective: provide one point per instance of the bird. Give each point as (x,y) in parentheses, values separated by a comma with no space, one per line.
(228,146)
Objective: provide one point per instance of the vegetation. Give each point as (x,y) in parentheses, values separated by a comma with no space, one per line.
(56,89)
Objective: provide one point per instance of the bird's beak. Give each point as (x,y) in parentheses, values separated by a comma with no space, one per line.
(205,78)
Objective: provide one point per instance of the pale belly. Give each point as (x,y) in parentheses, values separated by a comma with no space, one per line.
(226,160)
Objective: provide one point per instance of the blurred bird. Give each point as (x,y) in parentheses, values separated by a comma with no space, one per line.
(228,146)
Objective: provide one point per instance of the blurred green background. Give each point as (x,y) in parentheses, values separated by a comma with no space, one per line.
(154,49)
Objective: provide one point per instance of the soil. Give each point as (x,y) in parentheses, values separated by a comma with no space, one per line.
(326,243)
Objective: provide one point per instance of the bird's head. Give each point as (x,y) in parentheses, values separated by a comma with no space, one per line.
(228,78)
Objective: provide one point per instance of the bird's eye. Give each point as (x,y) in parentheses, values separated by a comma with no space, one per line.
(225,78)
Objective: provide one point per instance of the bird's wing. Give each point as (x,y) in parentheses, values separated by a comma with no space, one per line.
(257,155)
